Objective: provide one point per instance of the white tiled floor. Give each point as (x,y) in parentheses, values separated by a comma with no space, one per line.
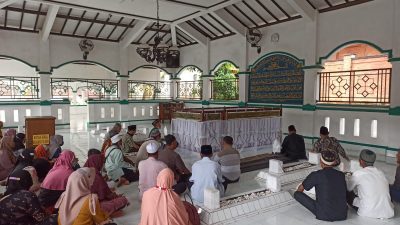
(79,140)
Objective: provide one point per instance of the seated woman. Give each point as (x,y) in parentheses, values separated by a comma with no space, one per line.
(77,205)
(7,158)
(56,180)
(20,206)
(161,205)
(19,141)
(56,142)
(10,133)
(110,202)
(42,152)
(42,167)
(25,162)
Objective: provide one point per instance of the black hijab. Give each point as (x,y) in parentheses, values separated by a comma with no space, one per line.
(19,141)
(25,159)
(19,180)
(42,167)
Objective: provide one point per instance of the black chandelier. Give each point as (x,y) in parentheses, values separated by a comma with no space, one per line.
(159,51)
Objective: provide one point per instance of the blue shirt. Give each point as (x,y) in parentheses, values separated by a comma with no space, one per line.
(205,174)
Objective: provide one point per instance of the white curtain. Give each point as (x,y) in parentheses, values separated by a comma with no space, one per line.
(246,133)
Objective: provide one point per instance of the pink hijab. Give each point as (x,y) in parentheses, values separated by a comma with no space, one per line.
(57,177)
(78,190)
(161,205)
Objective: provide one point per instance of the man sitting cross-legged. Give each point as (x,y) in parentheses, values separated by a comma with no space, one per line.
(330,190)
(373,197)
(174,161)
(293,145)
(205,174)
(149,169)
(229,159)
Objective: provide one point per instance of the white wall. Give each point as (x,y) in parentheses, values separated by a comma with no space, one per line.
(16,69)
(148,74)
(83,71)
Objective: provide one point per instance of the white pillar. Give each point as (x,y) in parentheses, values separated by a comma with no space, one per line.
(206,87)
(311,90)
(123,87)
(174,87)
(394,91)
(124,112)
(243,86)
(45,93)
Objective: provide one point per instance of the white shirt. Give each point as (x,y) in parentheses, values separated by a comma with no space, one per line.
(373,193)
(205,174)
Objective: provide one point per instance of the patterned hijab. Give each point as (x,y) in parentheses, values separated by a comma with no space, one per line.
(76,193)
(20,180)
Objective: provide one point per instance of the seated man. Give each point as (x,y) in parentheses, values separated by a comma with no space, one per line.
(107,138)
(330,190)
(373,196)
(155,137)
(229,159)
(175,163)
(128,145)
(293,145)
(395,187)
(115,130)
(116,164)
(330,144)
(205,174)
(149,169)
(156,126)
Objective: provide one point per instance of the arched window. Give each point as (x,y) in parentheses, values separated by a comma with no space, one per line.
(357,73)
(225,85)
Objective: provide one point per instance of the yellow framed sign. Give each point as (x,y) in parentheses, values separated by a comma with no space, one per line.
(39,139)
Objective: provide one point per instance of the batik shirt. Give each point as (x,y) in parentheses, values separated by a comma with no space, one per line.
(330,144)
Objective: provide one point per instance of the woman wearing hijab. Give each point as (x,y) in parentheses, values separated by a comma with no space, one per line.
(56,180)
(161,205)
(41,152)
(42,167)
(56,142)
(19,140)
(110,202)
(10,133)
(77,205)
(20,206)
(25,162)
(7,158)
